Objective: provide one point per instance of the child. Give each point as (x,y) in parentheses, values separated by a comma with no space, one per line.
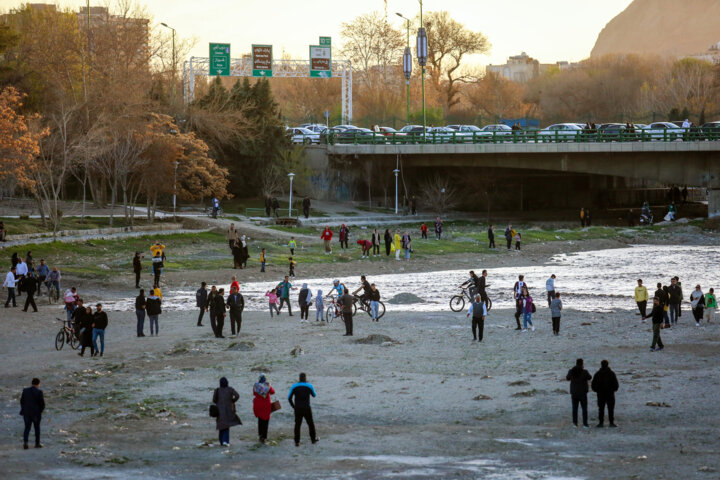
(292,267)
(319,305)
(293,245)
(263,258)
(518,238)
(272,301)
(423,231)
(710,305)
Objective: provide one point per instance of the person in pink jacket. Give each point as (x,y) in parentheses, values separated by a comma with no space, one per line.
(262,406)
(273,301)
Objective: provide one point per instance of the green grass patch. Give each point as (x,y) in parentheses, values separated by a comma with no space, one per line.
(16,226)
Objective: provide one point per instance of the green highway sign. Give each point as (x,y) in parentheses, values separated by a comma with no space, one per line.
(262,60)
(219,59)
(320,61)
(325,41)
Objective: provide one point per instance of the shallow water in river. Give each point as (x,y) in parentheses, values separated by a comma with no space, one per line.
(600,280)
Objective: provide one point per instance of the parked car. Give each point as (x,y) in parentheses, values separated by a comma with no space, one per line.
(302,135)
(664,131)
(497,129)
(562,131)
(710,131)
(314,127)
(390,132)
(613,132)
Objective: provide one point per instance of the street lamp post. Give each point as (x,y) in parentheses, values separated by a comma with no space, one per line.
(174,64)
(175,163)
(291,175)
(422,53)
(407,64)
(396,172)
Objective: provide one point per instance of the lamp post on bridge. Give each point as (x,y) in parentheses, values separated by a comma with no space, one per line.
(396,172)
(291,175)
(407,64)
(422,53)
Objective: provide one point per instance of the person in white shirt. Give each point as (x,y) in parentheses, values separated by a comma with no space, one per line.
(550,287)
(10,282)
(21,269)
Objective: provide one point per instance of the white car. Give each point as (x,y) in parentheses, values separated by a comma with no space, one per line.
(561,131)
(314,127)
(498,129)
(664,131)
(302,135)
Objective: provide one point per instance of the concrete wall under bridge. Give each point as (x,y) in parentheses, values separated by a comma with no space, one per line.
(694,163)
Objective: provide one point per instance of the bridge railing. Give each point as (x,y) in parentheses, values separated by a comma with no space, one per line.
(522,136)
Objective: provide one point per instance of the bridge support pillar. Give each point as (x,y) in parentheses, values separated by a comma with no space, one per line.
(713,198)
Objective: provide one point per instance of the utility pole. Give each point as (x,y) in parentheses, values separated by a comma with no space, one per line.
(174,65)
(407,65)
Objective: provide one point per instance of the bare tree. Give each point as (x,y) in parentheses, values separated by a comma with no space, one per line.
(438,195)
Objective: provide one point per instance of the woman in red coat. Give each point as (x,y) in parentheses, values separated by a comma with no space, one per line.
(262,406)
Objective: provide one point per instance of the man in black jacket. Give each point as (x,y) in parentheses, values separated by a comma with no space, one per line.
(301,393)
(217,312)
(29,285)
(579,378)
(137,268)
(347,304)
(201,301)
(100,322)
(236,304)
(657,315)
(32,404)
(605,384)
(306,206)
(676,297)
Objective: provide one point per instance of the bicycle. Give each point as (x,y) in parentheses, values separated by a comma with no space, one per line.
(66,332)
(334,311)
(457,302)
(365,307)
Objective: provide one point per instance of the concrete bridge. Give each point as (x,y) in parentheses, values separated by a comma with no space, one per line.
(693,163)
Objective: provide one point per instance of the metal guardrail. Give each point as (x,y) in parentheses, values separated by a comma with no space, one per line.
(522,136)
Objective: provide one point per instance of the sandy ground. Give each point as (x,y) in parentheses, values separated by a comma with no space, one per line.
(423,403)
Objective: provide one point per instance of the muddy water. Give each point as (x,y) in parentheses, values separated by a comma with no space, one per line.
(601,280)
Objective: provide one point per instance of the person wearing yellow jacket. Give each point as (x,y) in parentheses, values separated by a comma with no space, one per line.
(641,298)
(157,247)
(397,243)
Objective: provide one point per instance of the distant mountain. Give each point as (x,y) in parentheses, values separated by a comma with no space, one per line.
(664,27)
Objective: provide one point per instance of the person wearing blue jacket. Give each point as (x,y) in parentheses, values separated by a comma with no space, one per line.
(299,399)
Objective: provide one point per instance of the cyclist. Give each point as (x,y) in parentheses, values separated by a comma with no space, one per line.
(474,284)
(367,290)
(53,280)
(70,298)
(340,289)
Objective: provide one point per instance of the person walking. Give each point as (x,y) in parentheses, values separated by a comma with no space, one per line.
(438,228)
(236,304)
(676,297)
(550,288)
(99,324)
(154,309)
(217,307)
(292,245)
(268,205)
(299,400)
(528,310)
(291,267)
(423,231)
(555,313)
(605,384)
(319,305)
(579,378)
(406,245)
(641,298)
(326,237)
(478,310)
(10,283)
(29,286)
(137,268)
(32,405)
(42,273)
(387,237)
(697,302)
(508,236)
(140,310)
(262,406)
(518,296)
(374,303)
(224,398)
(582,217)
(657,315)
(201,301)
(263,259)
(84,323)
(376,243)
(397,244)
(304,301)
(347,301)
(344,237)
(272,302)
(157,266)
(710,305)
(275,206)
(491,237)
(306,206)
(230,236)
(518,239)
(285,286)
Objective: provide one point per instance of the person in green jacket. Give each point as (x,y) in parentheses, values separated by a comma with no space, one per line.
(710,305)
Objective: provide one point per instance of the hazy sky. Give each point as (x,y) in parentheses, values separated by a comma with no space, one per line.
(549,30)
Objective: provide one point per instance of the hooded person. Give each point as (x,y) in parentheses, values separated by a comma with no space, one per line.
(224,398)
(304,301)
(319,305)
(262,406)
(344,236)
(244,255)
